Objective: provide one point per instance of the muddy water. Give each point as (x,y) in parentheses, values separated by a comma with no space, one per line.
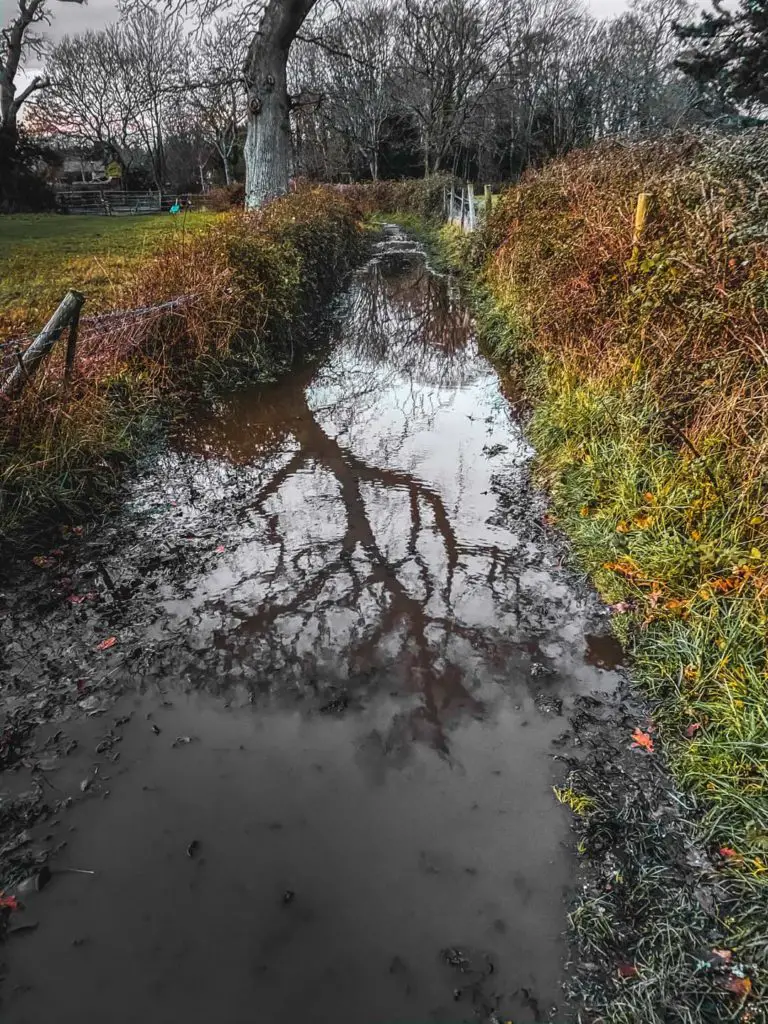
(345,652)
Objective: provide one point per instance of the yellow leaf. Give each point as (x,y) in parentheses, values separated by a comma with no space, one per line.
(756,554)
(695,535)
(643,522)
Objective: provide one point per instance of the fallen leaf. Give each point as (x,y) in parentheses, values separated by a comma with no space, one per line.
(106,644)
(724,954)
(220,549)
(627,970)
(642,740)
(692,729)
(76,598)
(42,561)
(8,902)
(757,555)
(621,607)
(739,986)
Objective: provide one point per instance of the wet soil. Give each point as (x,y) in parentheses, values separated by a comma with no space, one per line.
(285,730)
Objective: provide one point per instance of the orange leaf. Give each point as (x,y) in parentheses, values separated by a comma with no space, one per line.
(627,970)
(643,740)
(739,986)
(106,644)
(692,729)
(724,954)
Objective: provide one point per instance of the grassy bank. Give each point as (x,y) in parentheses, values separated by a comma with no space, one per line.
(42,255)
(253,285)
(647,371)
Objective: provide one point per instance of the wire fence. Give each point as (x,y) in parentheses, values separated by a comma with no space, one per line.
(127,329)
(112,202)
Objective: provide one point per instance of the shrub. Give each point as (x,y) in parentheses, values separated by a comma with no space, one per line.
(249,285)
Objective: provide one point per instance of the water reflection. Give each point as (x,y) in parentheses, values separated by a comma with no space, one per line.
(370,550)
(357,553)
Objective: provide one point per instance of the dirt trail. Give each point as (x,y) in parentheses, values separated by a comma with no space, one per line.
(312,775)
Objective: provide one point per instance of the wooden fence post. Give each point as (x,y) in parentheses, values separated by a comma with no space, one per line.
(488,201)
(43,343)
(69,361)
(471,202)
(463,192)
(453,203)
(641,216)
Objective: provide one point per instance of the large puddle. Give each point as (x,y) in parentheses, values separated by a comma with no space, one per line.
(346,644)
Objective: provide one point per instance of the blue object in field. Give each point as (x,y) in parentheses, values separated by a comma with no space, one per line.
(176,208)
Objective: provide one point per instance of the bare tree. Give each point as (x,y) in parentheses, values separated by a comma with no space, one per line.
(91,99)
(270,28)
(448,58)
(17,41)
(356,70)
(216,97)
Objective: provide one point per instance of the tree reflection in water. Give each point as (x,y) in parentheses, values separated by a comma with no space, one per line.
(366,550)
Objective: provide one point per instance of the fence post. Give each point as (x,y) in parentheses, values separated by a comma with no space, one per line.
(43,343)
(641,216)
(463,190)
(69,362)
(471,203)
(453,202)
(488,201)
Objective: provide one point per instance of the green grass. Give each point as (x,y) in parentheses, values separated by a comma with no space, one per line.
(42,255)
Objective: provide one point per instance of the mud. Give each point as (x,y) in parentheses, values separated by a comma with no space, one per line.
(311,776)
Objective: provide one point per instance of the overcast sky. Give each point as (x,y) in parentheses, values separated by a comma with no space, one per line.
(70,18)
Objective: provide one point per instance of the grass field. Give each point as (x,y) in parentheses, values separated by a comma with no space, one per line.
(42,255)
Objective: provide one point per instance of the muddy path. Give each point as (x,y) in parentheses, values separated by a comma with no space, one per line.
(282,735)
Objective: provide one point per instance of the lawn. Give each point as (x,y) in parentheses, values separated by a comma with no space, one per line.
(42,255)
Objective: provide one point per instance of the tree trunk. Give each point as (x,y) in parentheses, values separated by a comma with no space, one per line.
(268,139)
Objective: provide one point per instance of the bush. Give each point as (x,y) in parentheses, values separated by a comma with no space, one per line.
(648,364)
(226,197)
(249,285)
(421,197)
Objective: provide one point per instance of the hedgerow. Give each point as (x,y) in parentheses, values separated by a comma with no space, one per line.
(647,366)
(252,283)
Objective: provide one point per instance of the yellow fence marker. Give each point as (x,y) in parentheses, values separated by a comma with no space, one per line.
(641,215)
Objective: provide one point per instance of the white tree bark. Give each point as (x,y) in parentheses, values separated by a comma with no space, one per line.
(268,139)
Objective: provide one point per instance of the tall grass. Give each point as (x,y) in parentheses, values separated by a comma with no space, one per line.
(255,283)
(648,373)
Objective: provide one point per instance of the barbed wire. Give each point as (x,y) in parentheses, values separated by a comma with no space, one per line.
(126,315)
